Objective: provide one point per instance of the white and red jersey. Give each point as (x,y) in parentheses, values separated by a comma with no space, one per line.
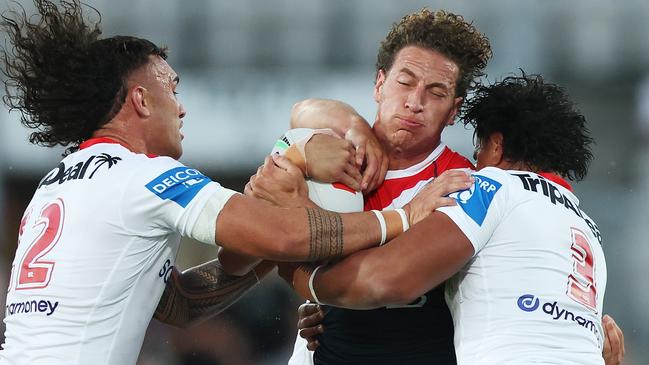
(96,246)
(534,290)
(351,336)
(400,186)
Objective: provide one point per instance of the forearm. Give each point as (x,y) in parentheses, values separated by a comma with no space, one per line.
(236,264)
(253,228)
(199,293)
(393,274)
(348,284)
(324,113)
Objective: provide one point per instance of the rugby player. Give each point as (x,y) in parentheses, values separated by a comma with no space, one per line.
(97,242)
(425,66)
(526,268)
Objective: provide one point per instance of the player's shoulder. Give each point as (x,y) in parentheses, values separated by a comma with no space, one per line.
(494,176)
(114,161)
(494,173)
(139,166)
(454,160)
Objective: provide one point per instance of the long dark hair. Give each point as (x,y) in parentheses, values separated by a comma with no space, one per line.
(66,81)
(541,126)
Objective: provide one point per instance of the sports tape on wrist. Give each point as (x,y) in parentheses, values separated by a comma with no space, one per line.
(404,219)
(384,229)
(311,289)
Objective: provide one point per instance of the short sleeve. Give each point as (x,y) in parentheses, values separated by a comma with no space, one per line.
(165,196)
(481,208)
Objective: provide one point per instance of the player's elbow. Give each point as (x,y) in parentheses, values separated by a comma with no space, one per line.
(296,110)
(388,290)
(373,295)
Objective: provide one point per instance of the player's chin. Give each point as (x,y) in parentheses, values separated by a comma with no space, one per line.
(176,150)
(179,152)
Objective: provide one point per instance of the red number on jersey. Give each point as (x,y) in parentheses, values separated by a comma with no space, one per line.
(23,221)
(33,272)
(581,283)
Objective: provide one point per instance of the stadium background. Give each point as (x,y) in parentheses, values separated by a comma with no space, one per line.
(244,63)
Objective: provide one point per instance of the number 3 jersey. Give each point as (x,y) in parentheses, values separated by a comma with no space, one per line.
(96,246)
(534,289)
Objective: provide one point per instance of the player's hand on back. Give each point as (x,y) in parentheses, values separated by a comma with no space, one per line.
(435,194)
(330,159)
(279,182)
(370,155)
(613,342)
(310,315)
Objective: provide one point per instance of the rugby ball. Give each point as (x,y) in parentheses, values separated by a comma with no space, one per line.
(336,197)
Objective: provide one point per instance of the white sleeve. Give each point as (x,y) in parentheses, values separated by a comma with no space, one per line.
(165,196)
(480,209)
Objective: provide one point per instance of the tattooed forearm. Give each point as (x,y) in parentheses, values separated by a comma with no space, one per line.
(326,232)
(199,293)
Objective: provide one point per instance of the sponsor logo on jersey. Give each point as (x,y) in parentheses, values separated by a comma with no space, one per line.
(165,271)
(476,200)
(530,303)
(549,190)
(82,170)
(32,306)
(180,184)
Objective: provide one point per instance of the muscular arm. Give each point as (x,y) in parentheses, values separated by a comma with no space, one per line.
(255,228)
(344,120)
(325,113)
(202,292)
(394,274)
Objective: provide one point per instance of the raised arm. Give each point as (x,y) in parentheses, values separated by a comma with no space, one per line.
(344,120)
(325,113)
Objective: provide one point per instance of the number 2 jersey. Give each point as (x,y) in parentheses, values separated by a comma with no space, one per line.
(96,246)
(419,333)
(534,290)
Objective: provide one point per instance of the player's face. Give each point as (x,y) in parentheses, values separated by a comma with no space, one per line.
(163,135)
(416,100)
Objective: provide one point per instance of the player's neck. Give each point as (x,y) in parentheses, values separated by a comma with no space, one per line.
(403,158)
(516,165)
(117,131)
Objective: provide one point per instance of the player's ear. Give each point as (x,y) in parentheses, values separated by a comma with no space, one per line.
(378,85)
(496,140)
(139,99)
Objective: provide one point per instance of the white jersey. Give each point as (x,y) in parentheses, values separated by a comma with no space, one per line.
(96,246)
(534,290)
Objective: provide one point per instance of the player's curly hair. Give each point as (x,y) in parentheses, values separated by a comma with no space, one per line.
(444,32)
(541,126)
(64,79)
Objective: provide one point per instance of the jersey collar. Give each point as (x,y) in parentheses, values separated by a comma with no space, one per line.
(93,141)
(414,169)
(556,179)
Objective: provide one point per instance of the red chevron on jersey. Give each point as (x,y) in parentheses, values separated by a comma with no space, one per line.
(400,186)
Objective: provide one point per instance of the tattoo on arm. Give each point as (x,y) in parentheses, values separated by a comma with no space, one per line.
(326,232)
(199,293)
